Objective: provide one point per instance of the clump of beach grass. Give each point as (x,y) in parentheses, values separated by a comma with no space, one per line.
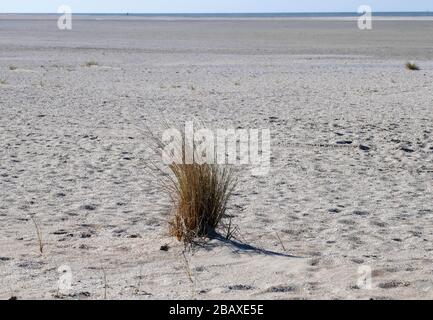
(199,193)
(412,66)
(91,63)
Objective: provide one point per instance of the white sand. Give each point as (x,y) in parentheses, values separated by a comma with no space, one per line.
(73,153)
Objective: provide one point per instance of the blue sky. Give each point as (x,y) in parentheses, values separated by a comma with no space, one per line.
(197,6)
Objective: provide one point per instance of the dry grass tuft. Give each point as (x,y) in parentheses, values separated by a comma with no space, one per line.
(91,63)
(199,194)
(412,66)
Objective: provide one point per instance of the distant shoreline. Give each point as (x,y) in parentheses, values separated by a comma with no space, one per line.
(326,16)
(243,15)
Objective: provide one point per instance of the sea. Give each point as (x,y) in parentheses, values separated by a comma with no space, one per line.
(282,14)
(254,15)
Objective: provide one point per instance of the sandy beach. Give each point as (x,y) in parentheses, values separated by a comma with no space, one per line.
(349,191)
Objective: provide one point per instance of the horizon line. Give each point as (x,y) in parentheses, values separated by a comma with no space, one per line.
(192,13)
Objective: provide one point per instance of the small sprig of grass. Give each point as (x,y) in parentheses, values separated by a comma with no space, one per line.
(105,283)
(412,66)
(190,276)
(38,234)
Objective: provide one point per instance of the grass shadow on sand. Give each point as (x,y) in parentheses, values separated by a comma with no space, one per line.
(238,246)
